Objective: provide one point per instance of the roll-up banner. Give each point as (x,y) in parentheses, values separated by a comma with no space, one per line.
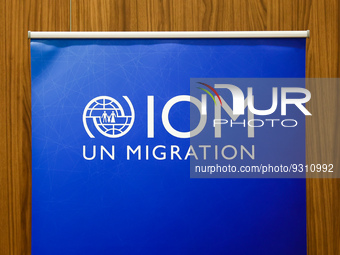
(168,143)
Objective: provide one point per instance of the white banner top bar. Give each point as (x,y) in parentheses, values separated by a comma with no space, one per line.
(203,34)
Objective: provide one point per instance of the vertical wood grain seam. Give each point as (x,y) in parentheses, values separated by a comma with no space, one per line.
(8,144)
(5,214)
(70,15)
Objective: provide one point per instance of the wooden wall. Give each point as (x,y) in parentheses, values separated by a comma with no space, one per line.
(18,16)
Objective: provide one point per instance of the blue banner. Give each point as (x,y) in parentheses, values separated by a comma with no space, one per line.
(122,130)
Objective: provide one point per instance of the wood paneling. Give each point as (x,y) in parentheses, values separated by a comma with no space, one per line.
(4,169)
(17,17)
(168,15)
(322,133)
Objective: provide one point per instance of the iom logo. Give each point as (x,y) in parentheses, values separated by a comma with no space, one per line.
(108,117)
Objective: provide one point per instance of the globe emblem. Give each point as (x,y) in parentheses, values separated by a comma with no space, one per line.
(107,115)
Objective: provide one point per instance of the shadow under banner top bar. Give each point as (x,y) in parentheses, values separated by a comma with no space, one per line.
(124,35)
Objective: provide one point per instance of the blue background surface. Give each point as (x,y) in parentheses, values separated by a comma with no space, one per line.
(151,207)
